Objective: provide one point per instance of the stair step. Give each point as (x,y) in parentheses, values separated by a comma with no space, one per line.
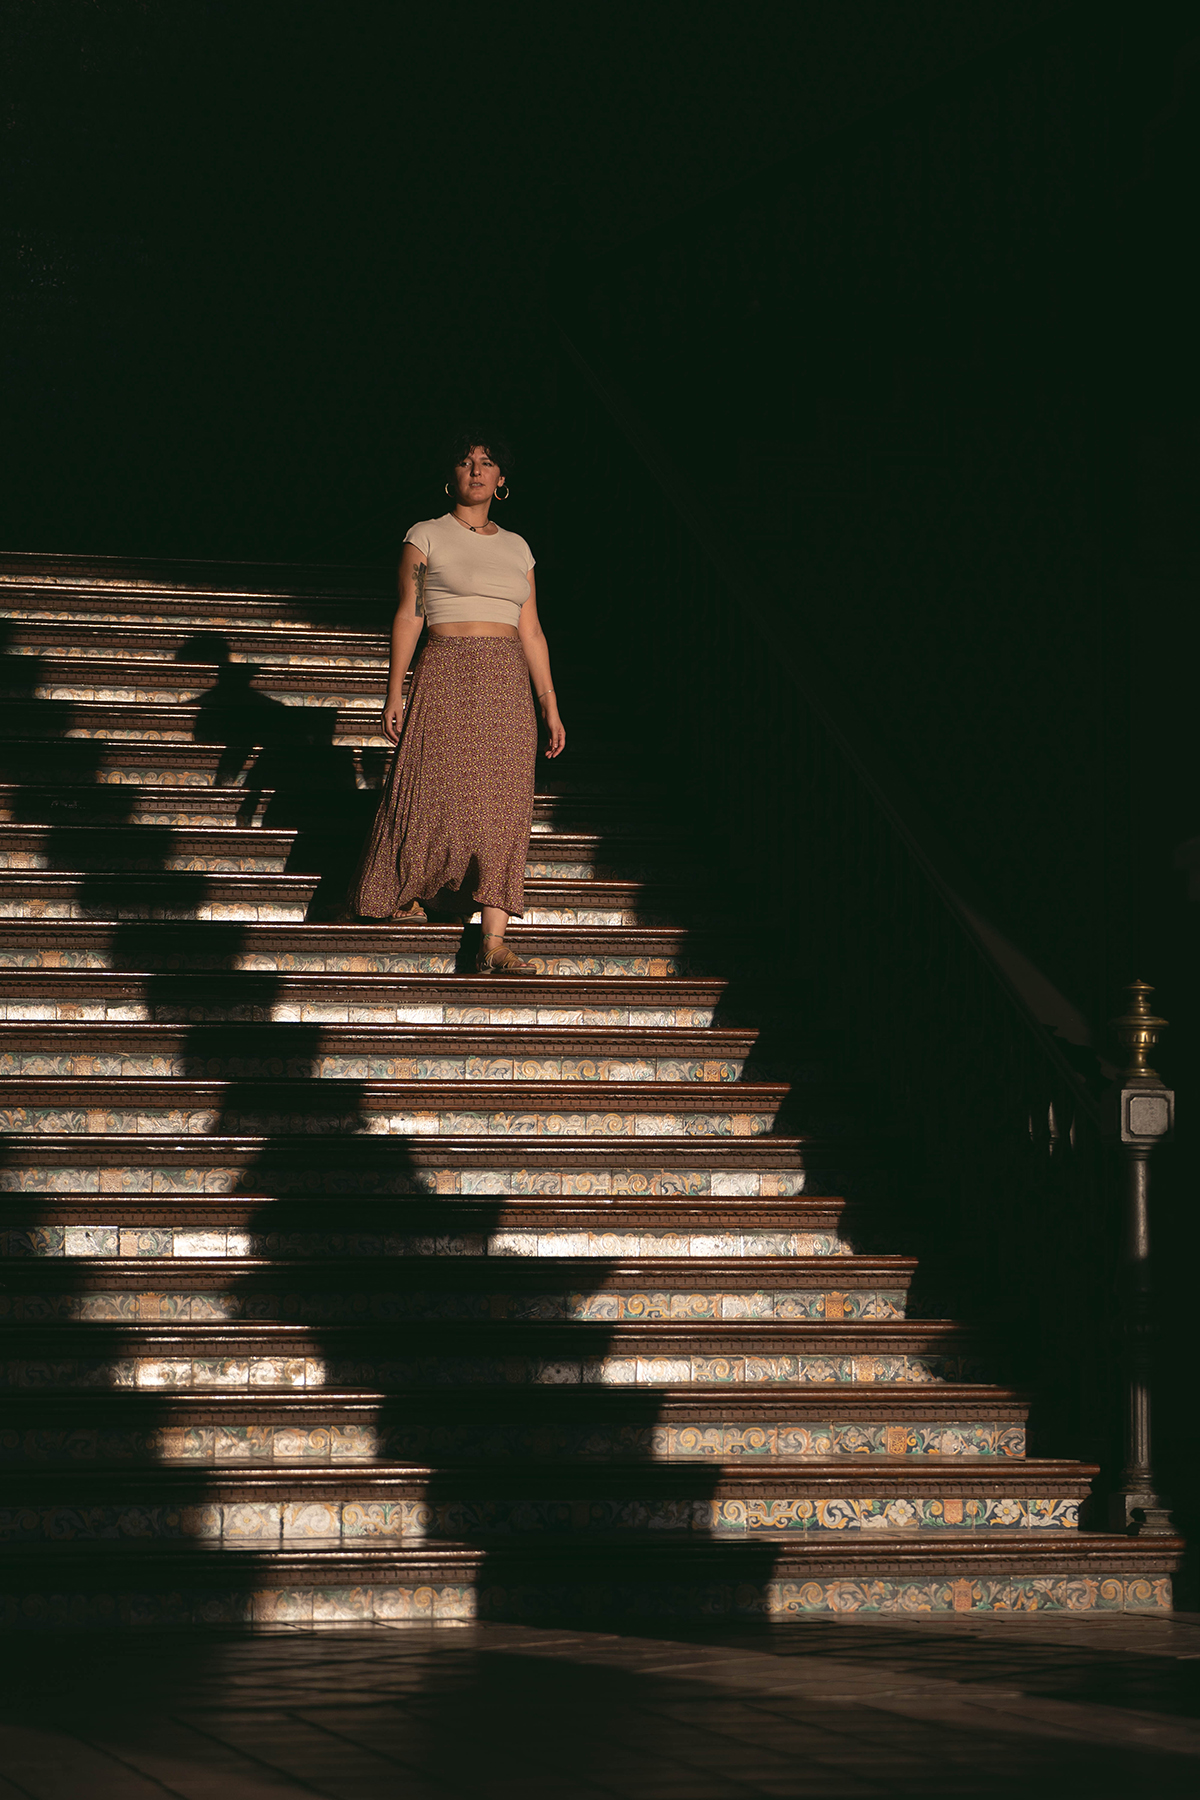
(289,718)
(195,1290)
(195,804)
(266,723)
(666,1225)
(146,849)
(277,1186)
(395,949)
(364,1167)
(401,1502)
(629,1577)
(216,688)
(80,894)
(435,1353)
(344,1427)
(387,1052)
(115,846)
(35,765)
(180,578)
(528,1108)
(259,894)
(31,632)
(663,1002)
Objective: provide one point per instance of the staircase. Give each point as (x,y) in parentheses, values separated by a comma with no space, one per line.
(339,1284)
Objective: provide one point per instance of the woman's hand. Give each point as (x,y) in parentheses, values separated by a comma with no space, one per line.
(393,717)
(555,726)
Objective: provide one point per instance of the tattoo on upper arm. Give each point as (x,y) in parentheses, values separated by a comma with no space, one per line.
(419,582)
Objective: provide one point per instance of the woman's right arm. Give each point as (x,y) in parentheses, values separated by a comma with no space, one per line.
(406,629)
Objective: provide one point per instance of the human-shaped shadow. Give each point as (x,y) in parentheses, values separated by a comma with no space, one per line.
(294,774)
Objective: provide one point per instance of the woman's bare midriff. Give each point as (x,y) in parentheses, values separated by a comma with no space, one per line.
(474,628)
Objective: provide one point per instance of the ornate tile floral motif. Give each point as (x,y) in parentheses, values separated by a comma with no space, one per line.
(432,1602)
(535,1238)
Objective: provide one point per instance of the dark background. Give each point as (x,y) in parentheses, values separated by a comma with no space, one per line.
(257,252)
(256,256)
(901,297)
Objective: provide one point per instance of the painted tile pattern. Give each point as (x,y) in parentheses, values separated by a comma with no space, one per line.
(281,1523)
(349,1442)
(184,1307)
(433,1602)
(253,1369)
(98,1188)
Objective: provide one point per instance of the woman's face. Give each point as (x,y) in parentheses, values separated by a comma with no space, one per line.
(477,477)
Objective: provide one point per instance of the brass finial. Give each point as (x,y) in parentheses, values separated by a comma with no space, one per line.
(1138,1031)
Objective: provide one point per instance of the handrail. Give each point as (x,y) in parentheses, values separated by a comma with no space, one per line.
(1042,1009)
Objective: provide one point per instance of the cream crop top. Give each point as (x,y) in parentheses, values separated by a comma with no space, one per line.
(469,577)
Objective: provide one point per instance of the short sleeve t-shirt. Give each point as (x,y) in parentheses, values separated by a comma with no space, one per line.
(471,577)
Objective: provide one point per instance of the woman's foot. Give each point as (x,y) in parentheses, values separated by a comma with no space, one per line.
(495,958)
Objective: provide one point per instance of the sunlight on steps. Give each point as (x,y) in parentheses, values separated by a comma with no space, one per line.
(339,1284)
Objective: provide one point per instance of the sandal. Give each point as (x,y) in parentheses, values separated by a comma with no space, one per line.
(502,961)
(412,914)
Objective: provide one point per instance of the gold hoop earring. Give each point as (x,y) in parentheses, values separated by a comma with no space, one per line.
(505,494)
(447,488)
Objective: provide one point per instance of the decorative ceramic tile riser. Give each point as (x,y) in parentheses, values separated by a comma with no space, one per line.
(598,915)
(187,766)
(543,865)
(150,692)
(261,1172)
(315,1065)
(193,808)
(329,1523)
(96,648)
(334,962)
(347,734)
(312,1372)
(338,1445)
(157,1307)
(136,1240)
(259,1605)
(240,1121)
(234,861)
(243,858)
(104,908)
(292,1012)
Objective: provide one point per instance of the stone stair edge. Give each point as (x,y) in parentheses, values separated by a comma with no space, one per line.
(419,982)
(253,1274)
(49,670)
(699,1042)
(637,1096)
(384,935)
(695,1402)
(33,630)
(34,832)
(859,1554)
(232,1338)
(229,794)
(96,571)
(664,1155)
(214,1482)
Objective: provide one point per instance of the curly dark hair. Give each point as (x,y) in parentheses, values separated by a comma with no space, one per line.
(464,440)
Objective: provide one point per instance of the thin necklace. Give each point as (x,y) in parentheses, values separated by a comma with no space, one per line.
(482,527)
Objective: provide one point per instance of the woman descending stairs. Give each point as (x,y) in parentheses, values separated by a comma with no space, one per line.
(337,1284)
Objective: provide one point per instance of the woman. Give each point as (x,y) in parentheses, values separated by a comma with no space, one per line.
(452,830)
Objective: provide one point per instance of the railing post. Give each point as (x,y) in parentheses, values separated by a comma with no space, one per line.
(1141,1114)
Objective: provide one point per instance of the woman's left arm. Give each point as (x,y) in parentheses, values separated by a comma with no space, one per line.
(537,655)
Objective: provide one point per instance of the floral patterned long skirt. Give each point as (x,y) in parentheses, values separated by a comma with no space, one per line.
(454,818)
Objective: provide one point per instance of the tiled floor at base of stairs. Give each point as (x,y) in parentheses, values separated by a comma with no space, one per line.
(835,1705)
(342,1286)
